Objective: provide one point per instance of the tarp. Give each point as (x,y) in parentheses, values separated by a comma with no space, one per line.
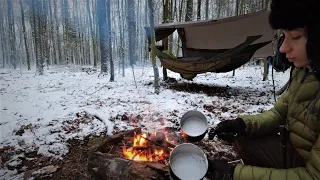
(225,33)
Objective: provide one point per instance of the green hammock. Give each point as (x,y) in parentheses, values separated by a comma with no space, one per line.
(224,61)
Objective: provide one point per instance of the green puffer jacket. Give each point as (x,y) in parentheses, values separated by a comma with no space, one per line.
(304,126)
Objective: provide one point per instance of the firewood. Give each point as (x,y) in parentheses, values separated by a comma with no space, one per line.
(128,139)
(169,144)
(141,147)
(112,140)
(104,166)
(5,148)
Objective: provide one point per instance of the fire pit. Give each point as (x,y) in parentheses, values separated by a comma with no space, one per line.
(141,155)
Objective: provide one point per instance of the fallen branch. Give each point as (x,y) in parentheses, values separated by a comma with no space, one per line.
(112,140)
(100,89)
(5,148)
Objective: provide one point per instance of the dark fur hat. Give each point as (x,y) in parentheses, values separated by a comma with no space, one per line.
(292,14)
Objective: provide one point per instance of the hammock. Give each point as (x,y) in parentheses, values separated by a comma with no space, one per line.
(205,60)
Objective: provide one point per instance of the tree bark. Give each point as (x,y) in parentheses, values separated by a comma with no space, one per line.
(199,10)
(108,12)
(103,34)
(108,167)
(153,48)
(12,36)
(189,10)
(37,37)
(57,33)
(207,9)
(94,51)
(25,35)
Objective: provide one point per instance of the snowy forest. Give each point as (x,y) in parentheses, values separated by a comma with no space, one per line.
(39,34)
(81,83)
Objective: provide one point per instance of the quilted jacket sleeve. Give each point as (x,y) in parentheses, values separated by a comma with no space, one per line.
(311,171)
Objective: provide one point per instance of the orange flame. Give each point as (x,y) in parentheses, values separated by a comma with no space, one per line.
(146,153)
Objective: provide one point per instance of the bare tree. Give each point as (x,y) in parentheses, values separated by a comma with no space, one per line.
(94,46)
(189,10)
(58,35)
(199,10)
(131,24)
(12,36)
(24,35)
(207,9)
(153,48)
(108,12)
(37,36)
(103,34)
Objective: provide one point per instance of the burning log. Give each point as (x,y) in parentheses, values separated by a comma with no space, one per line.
(114,140)
(105,166)
(141,147)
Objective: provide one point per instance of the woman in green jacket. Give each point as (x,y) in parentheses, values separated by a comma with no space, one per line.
(256,137)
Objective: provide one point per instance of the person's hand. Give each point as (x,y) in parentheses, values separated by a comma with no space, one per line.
(228,130)
(220,170)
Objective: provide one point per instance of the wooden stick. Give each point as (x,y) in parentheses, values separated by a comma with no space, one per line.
(128,139)
(111,140)
(141,147)
(153,142)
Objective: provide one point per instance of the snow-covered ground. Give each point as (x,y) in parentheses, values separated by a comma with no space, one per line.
(40,112)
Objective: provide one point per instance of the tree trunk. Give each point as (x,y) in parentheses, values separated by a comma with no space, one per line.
(153,48)
(121,27)
(44,32)
(180,20)
(103,34)
(189,10)
(207,9)
(165,40)
(94,47)
(57,32)
(66,27)
(2,38)
(25,35)
(54,41)
(266,70)
(36,26)
(131,30)
(108,4)
(12,36)
(199,10)
(131,24)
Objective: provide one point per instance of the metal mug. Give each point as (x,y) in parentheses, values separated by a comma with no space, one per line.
(194,125)
(188,162)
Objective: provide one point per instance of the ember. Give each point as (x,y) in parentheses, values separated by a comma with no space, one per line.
(148,147)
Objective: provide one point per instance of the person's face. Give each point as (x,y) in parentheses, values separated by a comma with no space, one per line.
(294,46)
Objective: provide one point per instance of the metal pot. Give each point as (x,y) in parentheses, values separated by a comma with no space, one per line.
(194,125)
(188,162)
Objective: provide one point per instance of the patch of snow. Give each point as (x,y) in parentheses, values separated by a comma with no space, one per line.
(53,150)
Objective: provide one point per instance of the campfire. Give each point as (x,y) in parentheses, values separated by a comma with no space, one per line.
(154,147)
